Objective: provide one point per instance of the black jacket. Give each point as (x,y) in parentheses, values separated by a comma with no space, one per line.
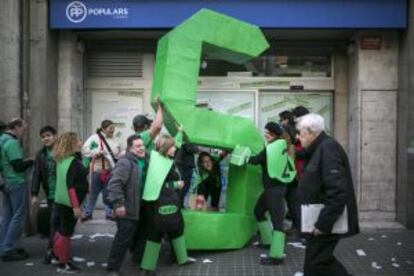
(125,185)
(185,156)
(327,179)
(39,176)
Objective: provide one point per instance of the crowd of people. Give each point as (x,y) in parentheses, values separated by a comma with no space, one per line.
(145,186)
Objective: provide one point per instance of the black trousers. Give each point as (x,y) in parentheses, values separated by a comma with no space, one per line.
(292,204)
(54,223)
(319,258)
(65,220)
(186,175)
(271,200)
(123,237)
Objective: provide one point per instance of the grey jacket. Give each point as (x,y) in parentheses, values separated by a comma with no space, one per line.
(124,187)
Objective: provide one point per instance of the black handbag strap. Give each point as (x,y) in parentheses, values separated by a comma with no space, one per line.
(107,146)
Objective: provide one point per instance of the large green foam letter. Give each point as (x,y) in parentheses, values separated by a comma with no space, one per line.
(175,83)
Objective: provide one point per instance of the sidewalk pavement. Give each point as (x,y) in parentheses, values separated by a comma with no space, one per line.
(369,253)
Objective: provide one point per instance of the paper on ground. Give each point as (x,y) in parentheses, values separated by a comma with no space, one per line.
(375,265)
(192,259)
(89,264)
(77,237)
(263,255)
(256,243)
(29,264)
(395,265)
(207,261)
(371,239)
(361,252)
(298,274)
(104,264)
(99,235)
(78,259)
(399,243)
(297,244)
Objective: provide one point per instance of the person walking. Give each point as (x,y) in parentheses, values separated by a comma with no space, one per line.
(163,205)
(326,180)
(103,149)
(124,193)
(277,172)
(71,189)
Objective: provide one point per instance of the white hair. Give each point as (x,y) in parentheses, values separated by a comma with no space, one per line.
(314,123)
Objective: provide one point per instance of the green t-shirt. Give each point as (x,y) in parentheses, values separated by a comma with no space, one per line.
(148,142)
(10,151)
(51,174)
(141,167)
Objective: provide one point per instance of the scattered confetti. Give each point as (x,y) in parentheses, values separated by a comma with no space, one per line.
(395,265)
(409,262)
(371,239)
(298,274)
(207,261)
(375,265)
(78,259)
(192,259)
(263,255)
(399,243)
(29,264)
(99,235)
(256,243)
(383,236)
(361,252)
(393,259)
(104,264)
(297,244)
(77,237)
(90,264)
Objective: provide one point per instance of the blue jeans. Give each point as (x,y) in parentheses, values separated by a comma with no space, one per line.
(97,188)
(14,212)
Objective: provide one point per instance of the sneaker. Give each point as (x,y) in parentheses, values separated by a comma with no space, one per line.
(50,258)
(15,255)
(270,261)
(68,268)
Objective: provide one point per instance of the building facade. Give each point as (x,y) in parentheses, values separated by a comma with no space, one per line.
(74,63)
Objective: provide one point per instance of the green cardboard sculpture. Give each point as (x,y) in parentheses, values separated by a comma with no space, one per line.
(175,81)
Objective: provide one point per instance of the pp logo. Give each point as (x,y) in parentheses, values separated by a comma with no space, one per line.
(76,12)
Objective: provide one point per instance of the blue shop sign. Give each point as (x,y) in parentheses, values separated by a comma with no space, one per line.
(141,14)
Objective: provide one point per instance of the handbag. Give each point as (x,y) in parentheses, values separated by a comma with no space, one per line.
(104,173)
(167,215)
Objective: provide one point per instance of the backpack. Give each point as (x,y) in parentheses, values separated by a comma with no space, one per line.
(167,213)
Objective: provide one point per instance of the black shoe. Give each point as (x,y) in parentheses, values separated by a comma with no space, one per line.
(86,218)
(270,261)
(149,273)
(68,268)
(15,256)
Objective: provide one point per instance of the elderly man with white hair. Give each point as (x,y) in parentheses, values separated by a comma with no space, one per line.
(326,180)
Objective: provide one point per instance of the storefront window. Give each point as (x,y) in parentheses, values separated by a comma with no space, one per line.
(272,66)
